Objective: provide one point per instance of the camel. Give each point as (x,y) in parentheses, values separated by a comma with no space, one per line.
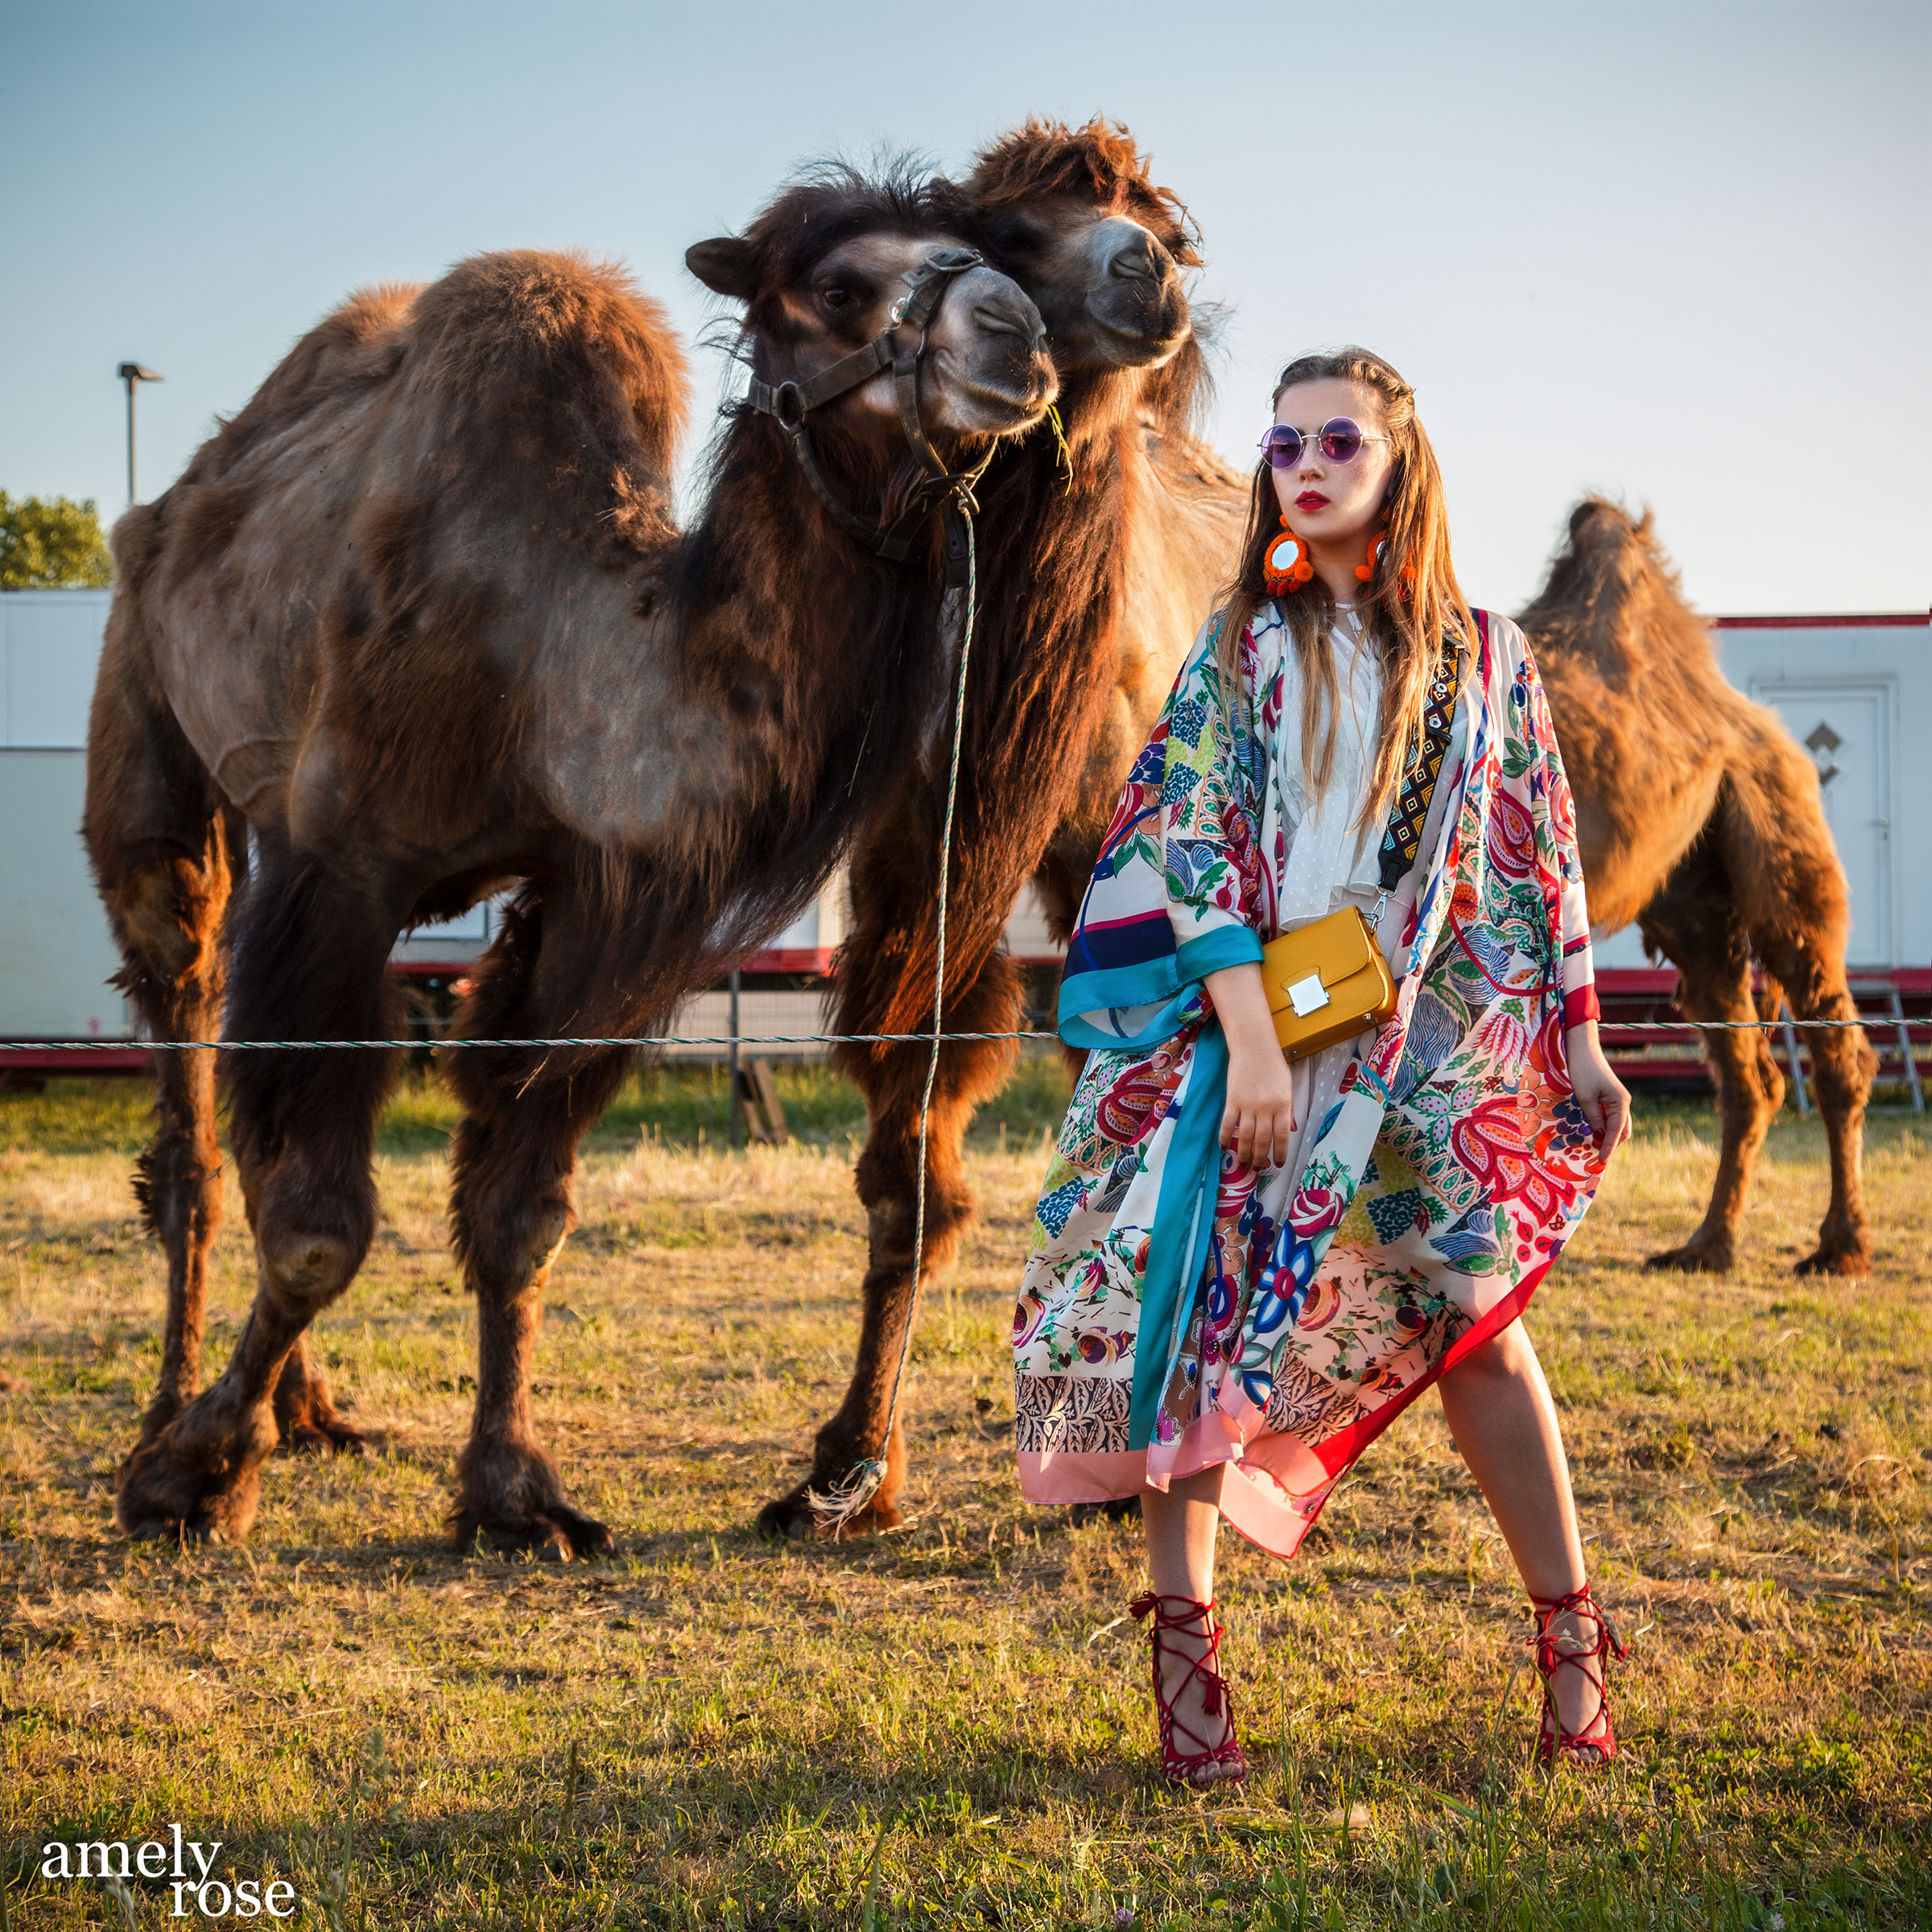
(1123,559)
(1097,565)
(1698,816)
(417,623)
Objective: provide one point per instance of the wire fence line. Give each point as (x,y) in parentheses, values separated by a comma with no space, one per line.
(780,1039)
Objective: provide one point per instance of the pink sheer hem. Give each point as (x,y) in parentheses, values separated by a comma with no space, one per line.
(1255,1499)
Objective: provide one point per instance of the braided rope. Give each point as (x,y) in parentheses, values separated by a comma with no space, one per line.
(856,1488)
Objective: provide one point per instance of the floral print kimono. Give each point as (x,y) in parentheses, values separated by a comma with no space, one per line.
(1179,1311)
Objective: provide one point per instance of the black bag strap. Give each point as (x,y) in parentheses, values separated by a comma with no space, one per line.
(1409,813)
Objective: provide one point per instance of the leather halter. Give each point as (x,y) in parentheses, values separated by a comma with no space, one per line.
(940,490)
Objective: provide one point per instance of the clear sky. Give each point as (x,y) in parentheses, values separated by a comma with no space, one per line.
(1676,253)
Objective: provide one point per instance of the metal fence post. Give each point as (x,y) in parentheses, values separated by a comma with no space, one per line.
(737,1112)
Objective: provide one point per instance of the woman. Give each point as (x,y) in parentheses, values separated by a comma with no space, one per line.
(1241,1270)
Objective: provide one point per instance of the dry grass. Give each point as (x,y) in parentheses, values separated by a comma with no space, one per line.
(713,1730)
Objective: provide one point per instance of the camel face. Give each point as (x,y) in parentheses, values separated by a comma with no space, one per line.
(984,369)
(1109,288)
(1074,214)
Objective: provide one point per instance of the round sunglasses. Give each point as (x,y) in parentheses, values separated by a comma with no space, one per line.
(1338,438)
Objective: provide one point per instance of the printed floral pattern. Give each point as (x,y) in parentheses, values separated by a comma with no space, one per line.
(1442,1182)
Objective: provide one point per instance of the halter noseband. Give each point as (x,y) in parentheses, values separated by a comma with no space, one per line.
(939,490)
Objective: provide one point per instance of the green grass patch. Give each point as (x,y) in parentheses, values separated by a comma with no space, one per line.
(949,1725)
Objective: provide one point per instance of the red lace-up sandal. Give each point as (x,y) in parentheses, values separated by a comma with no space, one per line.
(1206,1760)
(1593,1746)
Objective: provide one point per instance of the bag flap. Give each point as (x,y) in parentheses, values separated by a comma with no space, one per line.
(1335,948)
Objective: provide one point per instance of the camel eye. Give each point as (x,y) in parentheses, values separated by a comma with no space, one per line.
(837,296)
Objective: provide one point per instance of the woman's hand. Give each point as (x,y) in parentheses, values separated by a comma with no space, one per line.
(1604,1098)
(1260,1117)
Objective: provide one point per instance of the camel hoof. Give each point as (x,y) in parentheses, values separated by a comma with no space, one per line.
(162,1496)
(1851,1262)
(788,1516)
(1693,1258)
(556,1534)
(332,1437)
(1121,1510)
(792,1517)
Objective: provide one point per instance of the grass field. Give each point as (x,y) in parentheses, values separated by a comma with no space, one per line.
(949,1726)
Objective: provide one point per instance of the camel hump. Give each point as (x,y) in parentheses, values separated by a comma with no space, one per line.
(356,346)
(539,330)
(1187,461)
(1614,598)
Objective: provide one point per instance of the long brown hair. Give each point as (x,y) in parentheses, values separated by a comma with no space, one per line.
(1410,629)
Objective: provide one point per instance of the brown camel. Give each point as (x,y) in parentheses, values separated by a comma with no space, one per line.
(1698,816)
(418,621)
(1097,562)
(1120,562)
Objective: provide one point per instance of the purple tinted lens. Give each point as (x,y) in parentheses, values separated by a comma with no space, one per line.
(1341,440)
(1283,446)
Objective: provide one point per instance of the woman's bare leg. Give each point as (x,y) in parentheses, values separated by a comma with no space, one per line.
(1505,1425)
(1181,1527)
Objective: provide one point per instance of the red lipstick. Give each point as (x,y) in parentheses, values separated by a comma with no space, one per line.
(1311,499)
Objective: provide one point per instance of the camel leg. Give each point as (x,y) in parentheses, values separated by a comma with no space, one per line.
(166,854)
(1843,1068)
(312,957)
(1694,924)
(514,1162)
(168,914)
(883,988)
(1795,896)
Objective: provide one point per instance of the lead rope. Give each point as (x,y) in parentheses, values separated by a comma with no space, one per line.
(856,1488)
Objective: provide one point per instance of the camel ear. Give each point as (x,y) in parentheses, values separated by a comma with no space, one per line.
(725,266)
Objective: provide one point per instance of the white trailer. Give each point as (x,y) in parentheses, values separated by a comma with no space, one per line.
(57,955)
(1856,693)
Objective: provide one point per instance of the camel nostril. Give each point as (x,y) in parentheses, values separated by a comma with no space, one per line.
(998,318)
(1143,259)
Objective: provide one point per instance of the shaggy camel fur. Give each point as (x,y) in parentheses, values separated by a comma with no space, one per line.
(1698,816)
(1112,569)
(1097,564)
(418,619)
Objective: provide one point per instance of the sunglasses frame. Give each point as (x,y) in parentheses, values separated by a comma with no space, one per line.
(1319,439)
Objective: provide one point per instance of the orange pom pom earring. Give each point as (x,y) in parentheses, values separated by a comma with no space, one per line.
(1285,565)
(1365,571)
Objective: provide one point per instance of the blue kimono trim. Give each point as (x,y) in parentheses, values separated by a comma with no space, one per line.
(1164,984)
(1136,942)
(1191,1178)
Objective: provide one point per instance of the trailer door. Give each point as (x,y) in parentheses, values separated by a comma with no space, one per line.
(1847,730)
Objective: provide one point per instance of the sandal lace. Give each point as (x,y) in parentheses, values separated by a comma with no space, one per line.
(1191,1766)
(1594,1744)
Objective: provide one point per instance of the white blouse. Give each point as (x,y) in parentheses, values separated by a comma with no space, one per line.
(1331,859)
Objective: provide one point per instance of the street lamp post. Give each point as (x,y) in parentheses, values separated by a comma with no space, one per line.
(132,373)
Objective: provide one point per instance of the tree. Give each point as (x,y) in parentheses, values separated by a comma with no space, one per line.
(52,543)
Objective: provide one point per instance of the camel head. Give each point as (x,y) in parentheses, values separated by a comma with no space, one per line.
(819,272)
(1073,213)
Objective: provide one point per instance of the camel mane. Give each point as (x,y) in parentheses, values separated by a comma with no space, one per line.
(827,202)
(1099,162)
